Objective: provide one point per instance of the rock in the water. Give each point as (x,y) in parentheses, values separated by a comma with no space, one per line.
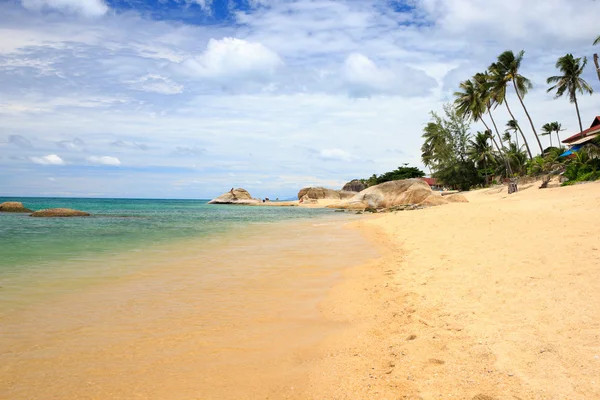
(14,206)
(456,198)
(60,212)
(318,193)
(354,186)
(235,196)
(390,194)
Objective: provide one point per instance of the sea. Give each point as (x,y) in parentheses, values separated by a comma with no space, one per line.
(173,299)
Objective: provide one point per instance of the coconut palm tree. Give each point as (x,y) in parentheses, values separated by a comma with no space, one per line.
(506,137)
(480,152)
(471,104)
(485,85)
(570,82)
(557,127)
(507,67)
(596,58)
(513,126)
(547,131)
(434,146)
(499,83)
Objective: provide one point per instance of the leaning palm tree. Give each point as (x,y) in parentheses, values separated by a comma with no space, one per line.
(471,104)
(557,127)
(513,126)
(570,82)
(508,66)
(597,41)
(506,137)
(547,131)
(480,152)
(499,85)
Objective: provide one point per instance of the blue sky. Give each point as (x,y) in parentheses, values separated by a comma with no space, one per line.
(185,99)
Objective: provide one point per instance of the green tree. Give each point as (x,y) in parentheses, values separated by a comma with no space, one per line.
(448,140)
(481,153)
(596,58)
(404,172)
(516,158)
(499,85)
(513,126)
(547,131)
(570,82)
(507,69)
(557,127)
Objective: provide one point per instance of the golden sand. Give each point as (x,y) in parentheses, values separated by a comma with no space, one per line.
(498,298)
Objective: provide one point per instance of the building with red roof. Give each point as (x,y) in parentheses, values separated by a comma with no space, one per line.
(585,136)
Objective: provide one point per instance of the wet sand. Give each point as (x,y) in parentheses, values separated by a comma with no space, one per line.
(237,319)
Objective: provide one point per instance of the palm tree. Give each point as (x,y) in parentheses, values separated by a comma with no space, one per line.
(499,95)
(484,83)
(570,81)
(471,104)
(480,152)
(596,58)
(547,131)
(557,127)
(513,126)
(506,137)
(597,40)
(435,145)
(516,158)
(507,66)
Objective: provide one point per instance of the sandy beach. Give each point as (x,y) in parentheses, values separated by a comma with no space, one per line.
(493,299)
(497,298)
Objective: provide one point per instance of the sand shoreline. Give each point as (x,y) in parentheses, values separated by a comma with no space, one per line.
(493,299)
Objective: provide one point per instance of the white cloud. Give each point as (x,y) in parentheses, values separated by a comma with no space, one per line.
(335,154)
(88,8)
(232,58)
(104,160)
(50,159)
(156,84)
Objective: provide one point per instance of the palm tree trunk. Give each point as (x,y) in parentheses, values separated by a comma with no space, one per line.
(558,138)
(495,127)
(520,131)
(486,173)
(578,115)
(528,116)
(597,66)
(508,169)
(550,136)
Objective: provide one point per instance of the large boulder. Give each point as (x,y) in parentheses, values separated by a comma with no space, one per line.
(344,194)
(390,194)
(60,212)
(235,196)
(456,198)
(14,206)
(354,186)
(318,193)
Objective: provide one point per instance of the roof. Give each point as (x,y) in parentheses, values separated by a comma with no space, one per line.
(594,128)
(430,181)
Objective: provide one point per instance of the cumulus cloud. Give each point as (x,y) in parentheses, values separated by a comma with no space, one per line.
(156,84)
(50,159)
(104,160)
(20,141)
(232,58)
(88,8)
(364,78)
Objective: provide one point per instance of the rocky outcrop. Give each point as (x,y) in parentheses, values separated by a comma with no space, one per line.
(354,186)
(318,193)
(60,212)
(344,194)
(456,198)
(14,207)
(235,196)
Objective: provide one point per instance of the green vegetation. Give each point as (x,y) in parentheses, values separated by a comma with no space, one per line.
(404,172)
(462,160)
(570,82)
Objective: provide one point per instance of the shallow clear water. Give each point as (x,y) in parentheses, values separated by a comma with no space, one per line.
(119,225)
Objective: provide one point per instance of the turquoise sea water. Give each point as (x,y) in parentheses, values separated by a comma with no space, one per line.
(119,225)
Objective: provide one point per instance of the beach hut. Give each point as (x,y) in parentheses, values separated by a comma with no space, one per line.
(582,138)
(433,183)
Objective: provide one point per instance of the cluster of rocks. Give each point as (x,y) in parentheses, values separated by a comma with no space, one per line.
(17,207)
(236,196)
